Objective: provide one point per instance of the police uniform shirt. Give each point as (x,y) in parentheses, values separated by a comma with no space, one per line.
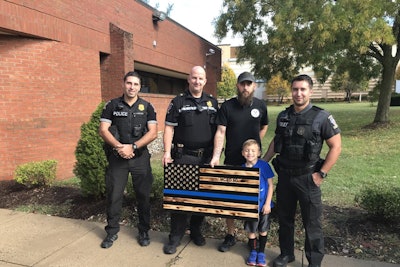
(242,123)
(193,120)
(323,125)
(323,122)
(131,121)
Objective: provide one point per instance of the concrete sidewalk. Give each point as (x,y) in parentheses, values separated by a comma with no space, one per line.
(38,240)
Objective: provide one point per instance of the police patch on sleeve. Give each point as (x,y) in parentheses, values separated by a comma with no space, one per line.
(170,107)
(333,122)
(255,113)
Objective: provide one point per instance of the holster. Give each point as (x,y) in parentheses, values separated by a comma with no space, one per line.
(177,151)
(275,164)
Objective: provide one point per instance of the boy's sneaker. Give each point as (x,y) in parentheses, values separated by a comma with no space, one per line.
(228,242)
(261,259)
(252,259)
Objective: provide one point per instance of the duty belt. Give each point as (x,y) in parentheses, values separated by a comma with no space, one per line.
(194,152)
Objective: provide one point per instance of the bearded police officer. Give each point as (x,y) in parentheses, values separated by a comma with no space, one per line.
(301,130)
(188,139)
(127,125)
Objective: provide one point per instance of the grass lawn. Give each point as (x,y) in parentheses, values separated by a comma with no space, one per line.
(368,156)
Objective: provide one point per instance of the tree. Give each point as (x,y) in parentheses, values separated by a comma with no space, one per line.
(397,75)
(343,82)
(168,11)
(226,88)
(323,34)
(278,86)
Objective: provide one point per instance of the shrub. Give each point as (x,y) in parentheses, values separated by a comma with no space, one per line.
(36,173)
(157,190)
(381,201)
(91,161)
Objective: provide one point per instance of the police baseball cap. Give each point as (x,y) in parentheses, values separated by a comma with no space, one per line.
(246,76)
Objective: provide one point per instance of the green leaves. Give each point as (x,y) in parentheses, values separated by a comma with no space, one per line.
(286,36)
(226,88)
(91,161)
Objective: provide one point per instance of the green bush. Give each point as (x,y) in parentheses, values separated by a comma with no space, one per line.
(157,190)
(36,173)
(91,161)
(381,201)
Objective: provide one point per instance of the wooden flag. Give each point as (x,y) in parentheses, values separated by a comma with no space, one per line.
(223,191)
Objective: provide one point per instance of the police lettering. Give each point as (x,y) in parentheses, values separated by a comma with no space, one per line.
(283,124)
(120,114)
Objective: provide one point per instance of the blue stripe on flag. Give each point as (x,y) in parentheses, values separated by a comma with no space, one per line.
(210,195)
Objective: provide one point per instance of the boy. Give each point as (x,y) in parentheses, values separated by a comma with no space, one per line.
(251,152)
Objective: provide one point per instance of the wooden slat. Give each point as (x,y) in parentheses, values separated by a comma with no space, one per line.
(229,180)
(228,188)
(212,211)
(210,202)
(229,172)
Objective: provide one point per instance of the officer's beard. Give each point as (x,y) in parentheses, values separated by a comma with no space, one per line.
(245,99)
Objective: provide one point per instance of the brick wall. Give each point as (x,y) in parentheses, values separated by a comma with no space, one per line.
(48,89)
(64,57)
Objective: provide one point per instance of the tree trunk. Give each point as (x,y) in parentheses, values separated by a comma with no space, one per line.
(382,111)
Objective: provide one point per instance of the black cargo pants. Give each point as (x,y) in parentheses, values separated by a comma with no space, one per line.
(290,190)
(116,180)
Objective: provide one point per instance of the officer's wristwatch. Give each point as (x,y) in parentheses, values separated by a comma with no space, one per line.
(134,146)
(323,174)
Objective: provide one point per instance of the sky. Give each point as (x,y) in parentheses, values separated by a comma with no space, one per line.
(197,16)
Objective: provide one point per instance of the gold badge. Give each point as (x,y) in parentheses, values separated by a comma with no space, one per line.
(141,107)
(209,103)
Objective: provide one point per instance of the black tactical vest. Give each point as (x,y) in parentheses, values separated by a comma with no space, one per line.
(129,123)
(297,142)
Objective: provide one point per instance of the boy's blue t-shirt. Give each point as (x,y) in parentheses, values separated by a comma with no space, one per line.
(265,174)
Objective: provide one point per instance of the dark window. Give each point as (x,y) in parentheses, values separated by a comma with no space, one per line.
(160,84)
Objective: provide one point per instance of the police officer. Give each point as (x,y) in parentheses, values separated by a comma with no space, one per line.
(127,125)
(301,130)
(188,139)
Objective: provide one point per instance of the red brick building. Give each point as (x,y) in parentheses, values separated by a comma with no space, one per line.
(60,58)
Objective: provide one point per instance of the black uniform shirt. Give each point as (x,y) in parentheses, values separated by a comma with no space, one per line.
(307,141)
(130,121)
(193,120)
(324,123)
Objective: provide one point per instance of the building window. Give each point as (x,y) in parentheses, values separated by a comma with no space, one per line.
(160,84)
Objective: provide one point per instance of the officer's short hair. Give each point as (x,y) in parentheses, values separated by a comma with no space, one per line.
(303,77)
(132,73)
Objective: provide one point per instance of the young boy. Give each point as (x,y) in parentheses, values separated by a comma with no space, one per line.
(251,152)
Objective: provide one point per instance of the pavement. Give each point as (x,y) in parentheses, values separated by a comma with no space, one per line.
(28,239)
